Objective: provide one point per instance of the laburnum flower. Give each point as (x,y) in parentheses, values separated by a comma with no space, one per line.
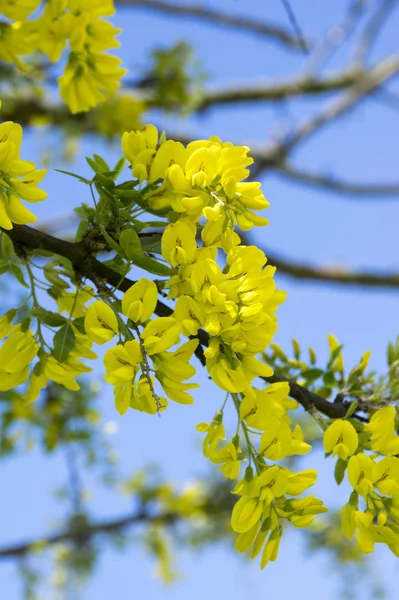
(140,300)
(101,323)
(139,396)
(368,532)
(89,79)
(6,325)
(382,429)
(341,439)
(173,368)
(160,334)
(15,40)
(214,433)
(230,455)
(178,245)
(204,178)
(360,473)
(18,179)
(18,10)
(16,354)
(74,303)
(121,362)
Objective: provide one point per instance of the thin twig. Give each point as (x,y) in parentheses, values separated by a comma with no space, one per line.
(254,26)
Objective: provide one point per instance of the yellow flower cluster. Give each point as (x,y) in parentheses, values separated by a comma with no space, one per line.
(203,178)
(375,480)
(203,186)
(91,74)
(64,372)
(16,353)
(265,501)
(18,179)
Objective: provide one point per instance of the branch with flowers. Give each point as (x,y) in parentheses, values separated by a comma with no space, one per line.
(218,298)
(227,312)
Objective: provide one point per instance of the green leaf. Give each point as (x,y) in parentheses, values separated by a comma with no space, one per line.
(7,248)
(81,230)
(297,348)
(18,274)
(312,374)
(339,471)
(64,342)
(48,317)
(101,162)
(130,243)
(4,266)
(79,323)
(329,379)
(351,409)
(312,356)
(119,166)
(153,266)
(105,181)
(111,242)
(391,353)
(82,179)
(334,355)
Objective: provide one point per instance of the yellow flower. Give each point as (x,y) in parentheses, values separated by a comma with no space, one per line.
(140,300)
(101,323)
(16,353)
(386,475)
(190,314)
(121,362)
(178,243)
(18,179)
(231,456)
(360,473)
(160,334)
(214,433)
(18,11)
(341,439)
(382,429)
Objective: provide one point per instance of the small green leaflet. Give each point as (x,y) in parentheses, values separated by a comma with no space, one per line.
(64,342)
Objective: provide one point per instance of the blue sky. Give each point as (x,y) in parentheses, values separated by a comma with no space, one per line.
(305,224)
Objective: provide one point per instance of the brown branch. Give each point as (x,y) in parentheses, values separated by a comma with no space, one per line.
(305,272)
(346,101)
(335,184)
(311,401)
(214,17)
(85,532)
(372,30)
(85,264)
(277,91)
(366,84)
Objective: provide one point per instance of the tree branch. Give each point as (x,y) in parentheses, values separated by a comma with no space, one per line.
(191,11)
(365,85)
(87,265)
(278,91)
(306,272)
(85,531)
(337,185)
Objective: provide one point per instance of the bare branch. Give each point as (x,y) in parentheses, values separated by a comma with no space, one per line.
(347,100)
(336,37)
(365,84)
(372,30)
(337,185)
(85,532)
(278,91)
(295,25)
(270,30)
(306,272)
